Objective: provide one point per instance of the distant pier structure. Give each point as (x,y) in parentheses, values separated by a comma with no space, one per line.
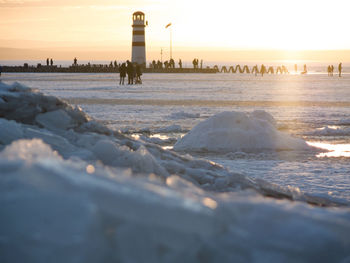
(138,38)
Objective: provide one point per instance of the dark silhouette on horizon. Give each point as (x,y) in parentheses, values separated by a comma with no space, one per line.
(340,68)
(138,74)
(130,72)
(122,74)
(180,63)
(305,70)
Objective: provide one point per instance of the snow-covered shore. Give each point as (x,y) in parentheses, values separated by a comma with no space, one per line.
(73,190)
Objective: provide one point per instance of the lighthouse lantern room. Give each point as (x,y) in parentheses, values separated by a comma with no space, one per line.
(138,39)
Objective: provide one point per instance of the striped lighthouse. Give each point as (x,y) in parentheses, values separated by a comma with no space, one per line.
(138,39)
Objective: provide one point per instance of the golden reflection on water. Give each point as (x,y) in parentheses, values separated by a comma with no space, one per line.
(160,136)
(333,150)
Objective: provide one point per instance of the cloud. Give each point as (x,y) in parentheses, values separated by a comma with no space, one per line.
(75,3)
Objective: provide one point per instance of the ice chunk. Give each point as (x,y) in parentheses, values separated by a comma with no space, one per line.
(57,142)
(58,119)
(238,131)
(141,161)
(29,150)
(10,131)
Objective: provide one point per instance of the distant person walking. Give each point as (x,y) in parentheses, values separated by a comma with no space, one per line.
(122,74)
(340,68)
(47,61)
(180,63)
(75,62)
(305,70)
(51,62)
(130,72)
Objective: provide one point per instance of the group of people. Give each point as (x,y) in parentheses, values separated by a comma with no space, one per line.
(133,70)
(330,69)
(195,63)
(167,64)
(49,62)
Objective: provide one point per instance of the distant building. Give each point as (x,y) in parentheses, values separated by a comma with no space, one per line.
(138,38)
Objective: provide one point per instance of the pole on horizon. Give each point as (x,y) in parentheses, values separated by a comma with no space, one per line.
(171,40)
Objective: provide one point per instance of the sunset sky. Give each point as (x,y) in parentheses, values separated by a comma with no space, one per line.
(103,27)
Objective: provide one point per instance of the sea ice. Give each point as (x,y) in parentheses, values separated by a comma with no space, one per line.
(57,205)
(86,193)
(168,129)
(331,131)
(238,131)
(184,115)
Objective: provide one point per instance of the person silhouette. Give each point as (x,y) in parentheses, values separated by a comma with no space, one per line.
(122,73)
(51,62)
(130,72)
(340,68)
(75,61)
(138,74)
(305,70)
(47,61)
(180,63)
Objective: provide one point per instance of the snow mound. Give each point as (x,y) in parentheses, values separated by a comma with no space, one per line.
(238,131)
(331,131)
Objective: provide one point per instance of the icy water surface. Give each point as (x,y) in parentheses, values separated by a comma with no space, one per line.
(166,106)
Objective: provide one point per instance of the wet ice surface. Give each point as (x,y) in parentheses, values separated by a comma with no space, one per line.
(70,184)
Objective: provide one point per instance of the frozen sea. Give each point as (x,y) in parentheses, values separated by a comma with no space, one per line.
(313,107)
(183,168)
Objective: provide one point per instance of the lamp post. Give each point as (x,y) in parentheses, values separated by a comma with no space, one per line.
(171,40)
